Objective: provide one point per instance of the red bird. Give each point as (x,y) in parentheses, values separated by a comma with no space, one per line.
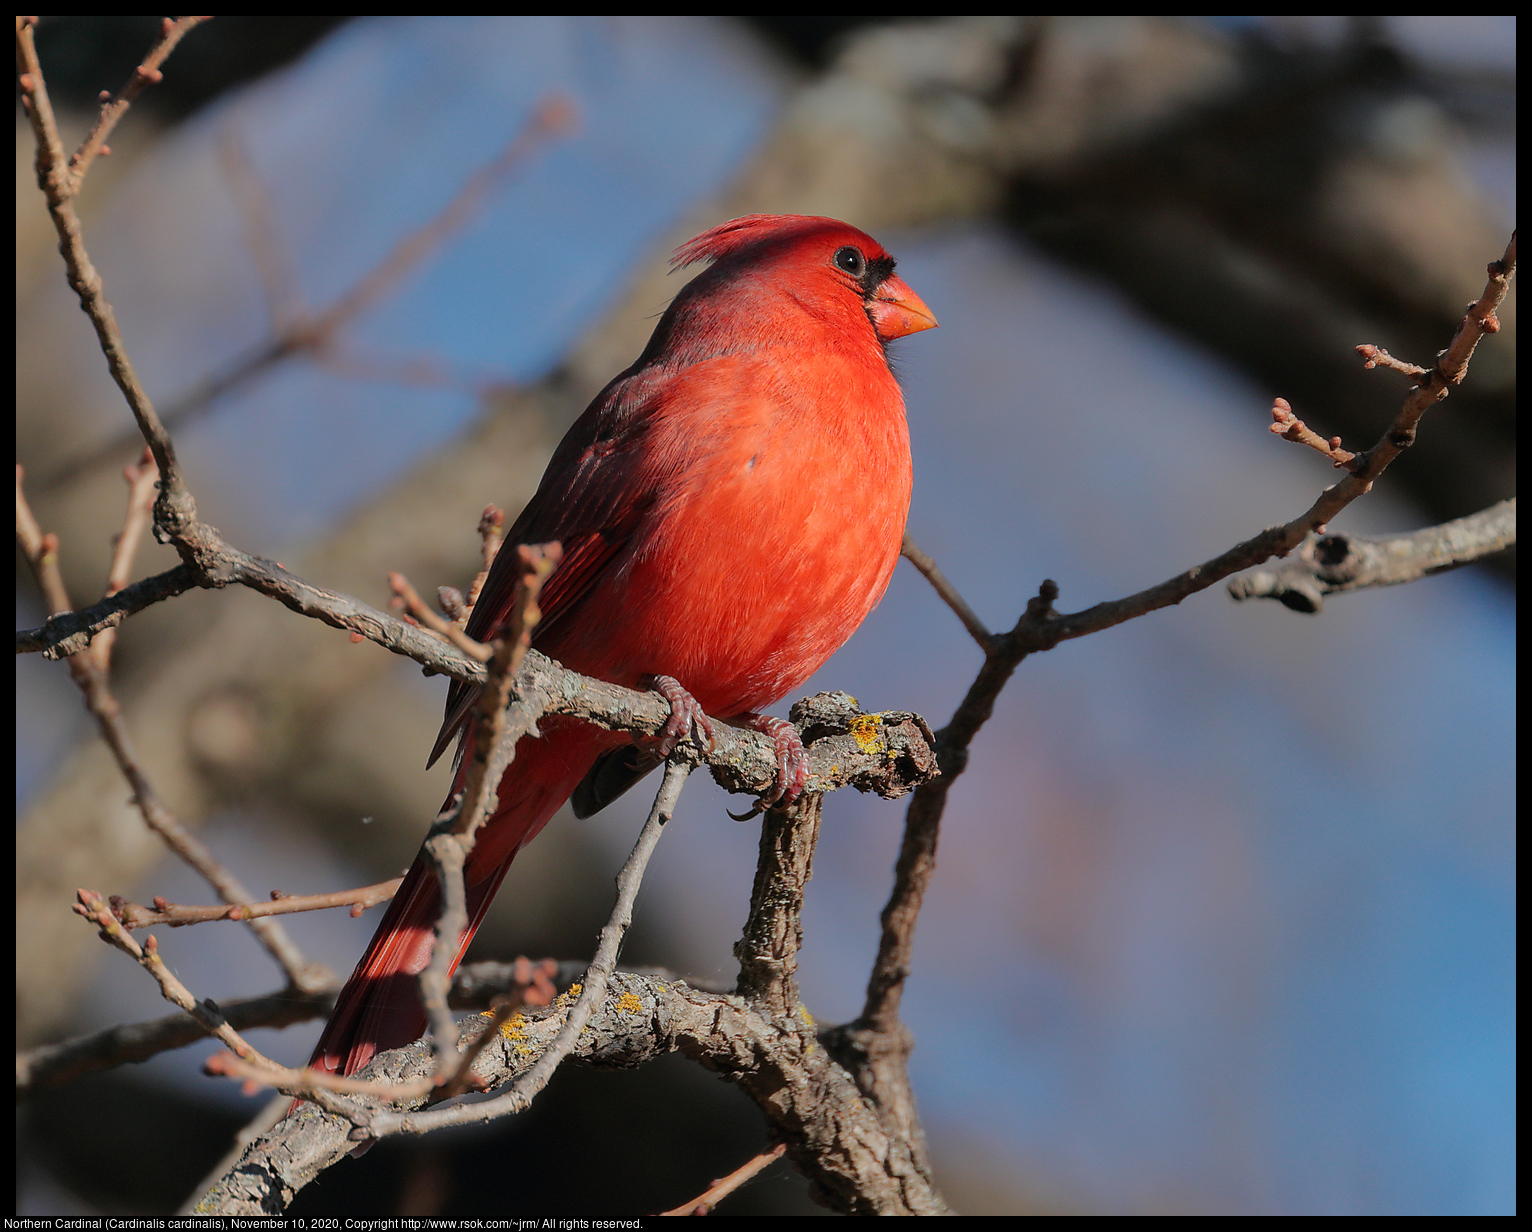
(731,509)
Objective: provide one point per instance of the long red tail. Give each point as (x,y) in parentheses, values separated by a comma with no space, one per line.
(380,1007)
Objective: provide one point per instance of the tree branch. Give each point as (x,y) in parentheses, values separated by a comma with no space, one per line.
(841,1147)
(875,1048)
(591,992)
(113,109)
(41,552)
(475,986)
(1332,564)
(178,915)
(303,334)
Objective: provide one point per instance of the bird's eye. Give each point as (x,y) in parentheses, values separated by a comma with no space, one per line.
(850,260)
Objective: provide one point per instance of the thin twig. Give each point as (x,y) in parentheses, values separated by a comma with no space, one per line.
(496,732)
(1377,357)
(491,536)
(491,728)
(1047,629)
(177,915)
(410,602)
(948,592)
(175,511)
(704,1202)
(1289,427)
(136,520)
(207,1014)
(113,109)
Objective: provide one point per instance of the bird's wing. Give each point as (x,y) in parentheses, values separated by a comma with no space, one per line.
(598,486)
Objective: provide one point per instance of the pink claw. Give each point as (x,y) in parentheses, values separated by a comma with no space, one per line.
(685,713)
(792,759)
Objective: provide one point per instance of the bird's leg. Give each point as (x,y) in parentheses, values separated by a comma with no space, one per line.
(685,714)
(792,759)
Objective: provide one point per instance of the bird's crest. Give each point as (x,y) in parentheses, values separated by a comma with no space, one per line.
(739,234)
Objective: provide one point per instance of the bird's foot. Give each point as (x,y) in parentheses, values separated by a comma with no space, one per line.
(792,761)
(686,713)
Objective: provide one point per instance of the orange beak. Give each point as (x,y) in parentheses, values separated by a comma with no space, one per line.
(896,310)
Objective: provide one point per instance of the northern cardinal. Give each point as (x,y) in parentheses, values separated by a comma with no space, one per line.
(731,508)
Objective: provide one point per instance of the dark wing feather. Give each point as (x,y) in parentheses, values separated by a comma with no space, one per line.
(591,499)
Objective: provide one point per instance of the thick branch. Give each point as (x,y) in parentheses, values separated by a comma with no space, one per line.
(474,986)
(1331,564)
(832,1135)
(768,950)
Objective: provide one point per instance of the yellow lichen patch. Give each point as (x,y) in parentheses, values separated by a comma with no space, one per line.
(803,1013)
(630,1004)
(864,730)
(514,1027)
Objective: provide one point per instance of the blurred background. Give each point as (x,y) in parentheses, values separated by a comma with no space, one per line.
(1223,917)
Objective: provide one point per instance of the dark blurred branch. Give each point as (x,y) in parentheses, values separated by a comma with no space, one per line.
(313,335)
(1331,564)
(1274,202)
(274,262)
(55,1064)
